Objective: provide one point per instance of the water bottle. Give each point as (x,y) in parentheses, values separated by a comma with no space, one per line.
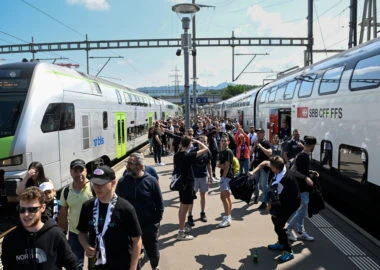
(255,256)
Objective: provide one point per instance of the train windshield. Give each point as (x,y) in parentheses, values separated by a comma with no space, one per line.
(13,90)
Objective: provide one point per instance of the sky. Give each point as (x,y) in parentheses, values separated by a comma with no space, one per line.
(71,20)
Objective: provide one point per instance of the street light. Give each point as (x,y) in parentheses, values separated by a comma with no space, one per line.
(186,12)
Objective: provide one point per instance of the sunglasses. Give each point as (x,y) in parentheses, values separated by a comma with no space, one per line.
(33,210)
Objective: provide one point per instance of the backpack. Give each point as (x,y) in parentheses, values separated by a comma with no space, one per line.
(67,189)
(235,165)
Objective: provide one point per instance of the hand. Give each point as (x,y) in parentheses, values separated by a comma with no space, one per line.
(90,251)
(32,172)
(309,182)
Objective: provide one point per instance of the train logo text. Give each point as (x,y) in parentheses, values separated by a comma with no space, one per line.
(98,141)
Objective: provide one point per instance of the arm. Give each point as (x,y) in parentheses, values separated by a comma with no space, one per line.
(62,218)
(66,256)
(202,148)
(136,249)
(159,202)
(259,167)
(209,169)
(21,187)
(286,156)
(85,243)
(267,152)
(157,139)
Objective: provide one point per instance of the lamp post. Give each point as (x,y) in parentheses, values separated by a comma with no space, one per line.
(186,12)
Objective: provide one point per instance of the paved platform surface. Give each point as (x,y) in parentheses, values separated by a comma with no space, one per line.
(337,245)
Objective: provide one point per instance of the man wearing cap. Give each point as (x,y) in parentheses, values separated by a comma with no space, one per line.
(141,189)
(301,165)
(108,227)
(261,150)
(79,191)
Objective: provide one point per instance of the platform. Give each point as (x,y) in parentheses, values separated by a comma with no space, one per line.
(337,244)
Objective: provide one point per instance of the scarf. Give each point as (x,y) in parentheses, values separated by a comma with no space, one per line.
(101,250)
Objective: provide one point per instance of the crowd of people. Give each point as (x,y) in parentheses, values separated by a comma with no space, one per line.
(94,214)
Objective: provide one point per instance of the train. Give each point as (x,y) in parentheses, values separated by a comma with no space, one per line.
(337,101)
(54,114)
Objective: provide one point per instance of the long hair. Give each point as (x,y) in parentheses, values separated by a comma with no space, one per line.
(40,169)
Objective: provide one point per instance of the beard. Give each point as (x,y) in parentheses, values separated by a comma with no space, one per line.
(133,173)
(31,223)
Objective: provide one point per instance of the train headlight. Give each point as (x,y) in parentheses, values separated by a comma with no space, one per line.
(11,161)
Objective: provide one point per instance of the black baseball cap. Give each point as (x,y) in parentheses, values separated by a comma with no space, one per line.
(77,163)
(103,175)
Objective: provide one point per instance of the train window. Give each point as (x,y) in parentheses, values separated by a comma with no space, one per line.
(289,91)
(58,116)
(272,94)
(119,100)
(330,80)
(366,74)
(95,88)
(353,162)
(105,120)
(280,92)
(263,96)
(307,82)
(326,154)
(85,131)
(126,97)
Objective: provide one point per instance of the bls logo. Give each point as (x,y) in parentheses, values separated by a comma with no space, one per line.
(98,141)
(302,112)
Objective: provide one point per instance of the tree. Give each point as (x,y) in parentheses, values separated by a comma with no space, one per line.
(234,90)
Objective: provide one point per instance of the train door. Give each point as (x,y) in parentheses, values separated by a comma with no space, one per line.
(150,119)
(121,144)
(277,118)
(241,119)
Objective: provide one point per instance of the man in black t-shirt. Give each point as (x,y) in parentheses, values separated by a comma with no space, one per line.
(183,160)
(107,220)
(293,146)
(261,150)
(225,165)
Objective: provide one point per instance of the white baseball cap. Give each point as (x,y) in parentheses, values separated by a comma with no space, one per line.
(46,186)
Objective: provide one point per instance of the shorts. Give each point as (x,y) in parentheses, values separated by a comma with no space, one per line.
(225,184)
(201,184)
(150,140)
(187,196)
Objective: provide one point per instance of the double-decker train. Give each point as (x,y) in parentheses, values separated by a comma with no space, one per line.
(54,115)
(337,101)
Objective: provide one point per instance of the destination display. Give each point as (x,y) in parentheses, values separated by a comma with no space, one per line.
(13,84)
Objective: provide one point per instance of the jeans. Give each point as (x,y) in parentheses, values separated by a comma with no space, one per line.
(300,214)
(262,181)
(157,150)
(77,248)
(244,166)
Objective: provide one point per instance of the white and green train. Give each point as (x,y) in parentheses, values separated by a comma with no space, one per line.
(337,101)
(54,114)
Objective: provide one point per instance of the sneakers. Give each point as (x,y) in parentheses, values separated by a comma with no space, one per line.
(187,229)
(276,246)
(225,222)
(161,164)
(182,236)
(305,236)
(203,217)
(286,256)
(263,206)
(190,221)
(291,235)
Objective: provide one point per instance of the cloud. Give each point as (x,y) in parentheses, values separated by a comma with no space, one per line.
(91,4)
